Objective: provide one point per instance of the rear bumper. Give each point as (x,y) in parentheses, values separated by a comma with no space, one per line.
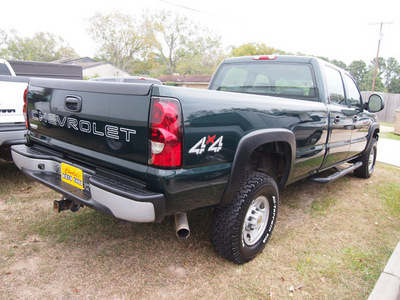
(118,195)
(12,135)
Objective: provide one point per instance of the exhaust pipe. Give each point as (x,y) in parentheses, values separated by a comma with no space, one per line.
(182,226)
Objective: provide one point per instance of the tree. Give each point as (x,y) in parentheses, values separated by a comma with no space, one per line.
(394,86)
(391,71)
(358,69)
(120,39)
(251,49)
(42,46)
(339,63)
(366,83)
(204,62)
(179,41)
(3,37)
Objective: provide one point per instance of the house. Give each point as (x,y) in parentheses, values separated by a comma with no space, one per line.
(92,68)
(192,81)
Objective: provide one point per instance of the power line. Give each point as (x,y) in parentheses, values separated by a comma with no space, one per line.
(182,6)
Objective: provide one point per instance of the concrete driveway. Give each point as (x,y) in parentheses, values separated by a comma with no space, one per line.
(388,150)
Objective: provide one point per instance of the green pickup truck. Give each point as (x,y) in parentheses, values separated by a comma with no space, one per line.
(140,152)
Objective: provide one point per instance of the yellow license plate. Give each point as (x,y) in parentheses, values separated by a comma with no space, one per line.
(72,175)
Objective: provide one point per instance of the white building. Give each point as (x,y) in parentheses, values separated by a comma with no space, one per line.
(92,68)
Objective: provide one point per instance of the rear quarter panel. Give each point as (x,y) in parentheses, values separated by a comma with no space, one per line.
(215,121)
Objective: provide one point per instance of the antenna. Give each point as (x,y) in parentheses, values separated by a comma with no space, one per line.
(377,54)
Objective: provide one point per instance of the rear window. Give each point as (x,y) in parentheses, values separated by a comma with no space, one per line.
(275,79)
(4,70)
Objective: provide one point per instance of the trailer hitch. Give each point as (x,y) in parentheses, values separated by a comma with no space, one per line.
(65,204)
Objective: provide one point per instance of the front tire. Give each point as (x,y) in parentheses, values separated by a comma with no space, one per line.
(241,229)
(368,159)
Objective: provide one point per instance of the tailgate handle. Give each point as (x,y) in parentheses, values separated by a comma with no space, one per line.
(73,103)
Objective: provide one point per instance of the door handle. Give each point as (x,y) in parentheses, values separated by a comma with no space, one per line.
(73,103)
(336,120)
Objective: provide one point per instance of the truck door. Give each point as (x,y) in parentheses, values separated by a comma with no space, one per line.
(361,121)
(340,122)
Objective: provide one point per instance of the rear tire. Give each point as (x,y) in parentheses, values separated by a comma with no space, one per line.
(368,159)
(241,229)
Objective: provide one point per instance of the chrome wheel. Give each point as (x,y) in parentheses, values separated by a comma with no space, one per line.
(368,160)
(241,229)
(371,160)
(256,221)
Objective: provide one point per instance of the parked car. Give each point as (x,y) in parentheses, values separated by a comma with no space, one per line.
(12,121)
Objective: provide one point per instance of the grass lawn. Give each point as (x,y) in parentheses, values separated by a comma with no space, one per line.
(330,242)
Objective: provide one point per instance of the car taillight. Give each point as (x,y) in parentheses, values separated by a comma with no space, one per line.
(165,133)
(25,108)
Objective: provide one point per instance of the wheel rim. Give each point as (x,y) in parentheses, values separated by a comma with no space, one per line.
(256,221)
(371,159)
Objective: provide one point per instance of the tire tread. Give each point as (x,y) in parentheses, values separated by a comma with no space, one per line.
(226,221)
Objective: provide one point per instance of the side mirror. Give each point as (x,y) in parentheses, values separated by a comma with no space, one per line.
(375,103)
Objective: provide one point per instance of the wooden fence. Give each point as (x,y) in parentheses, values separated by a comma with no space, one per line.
(392,103)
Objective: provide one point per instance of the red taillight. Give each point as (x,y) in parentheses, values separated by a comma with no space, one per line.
(165,133)
(265,57)
(25,108)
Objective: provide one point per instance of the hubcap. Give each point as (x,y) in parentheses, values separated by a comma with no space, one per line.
(256,221)
(371,159)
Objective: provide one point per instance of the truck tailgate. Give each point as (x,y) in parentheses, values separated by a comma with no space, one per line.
(104,121)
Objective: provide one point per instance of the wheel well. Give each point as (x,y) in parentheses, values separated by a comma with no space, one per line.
(376,134)
(272,159)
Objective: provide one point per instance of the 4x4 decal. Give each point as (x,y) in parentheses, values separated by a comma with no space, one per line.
(210,142)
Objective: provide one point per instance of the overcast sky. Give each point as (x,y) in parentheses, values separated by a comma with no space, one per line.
(342,29)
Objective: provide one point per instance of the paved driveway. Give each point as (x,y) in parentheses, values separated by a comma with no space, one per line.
(389,152)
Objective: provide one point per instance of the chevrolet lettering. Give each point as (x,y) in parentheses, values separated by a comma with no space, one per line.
(85,126)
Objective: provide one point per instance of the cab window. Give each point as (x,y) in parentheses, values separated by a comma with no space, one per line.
(290,80)
(352,93)
(335,86)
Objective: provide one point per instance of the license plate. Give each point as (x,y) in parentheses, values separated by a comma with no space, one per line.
(72,175)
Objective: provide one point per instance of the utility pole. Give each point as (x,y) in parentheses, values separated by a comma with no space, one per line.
(377,54)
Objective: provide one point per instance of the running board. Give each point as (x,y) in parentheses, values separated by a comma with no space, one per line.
(338,174)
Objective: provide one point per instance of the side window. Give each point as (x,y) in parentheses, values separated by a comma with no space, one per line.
(4,70)
(352,93)
(335,86)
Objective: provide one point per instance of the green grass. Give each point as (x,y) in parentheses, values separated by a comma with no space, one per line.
(390,135)
(320,206)
(330,242)
(389,193)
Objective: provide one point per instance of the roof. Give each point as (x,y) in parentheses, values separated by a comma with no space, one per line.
(285,58)
(77,61)
(84,62)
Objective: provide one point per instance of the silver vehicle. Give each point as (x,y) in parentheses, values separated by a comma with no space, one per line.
(128,79)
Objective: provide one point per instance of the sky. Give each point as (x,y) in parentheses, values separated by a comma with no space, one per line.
(345,30)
